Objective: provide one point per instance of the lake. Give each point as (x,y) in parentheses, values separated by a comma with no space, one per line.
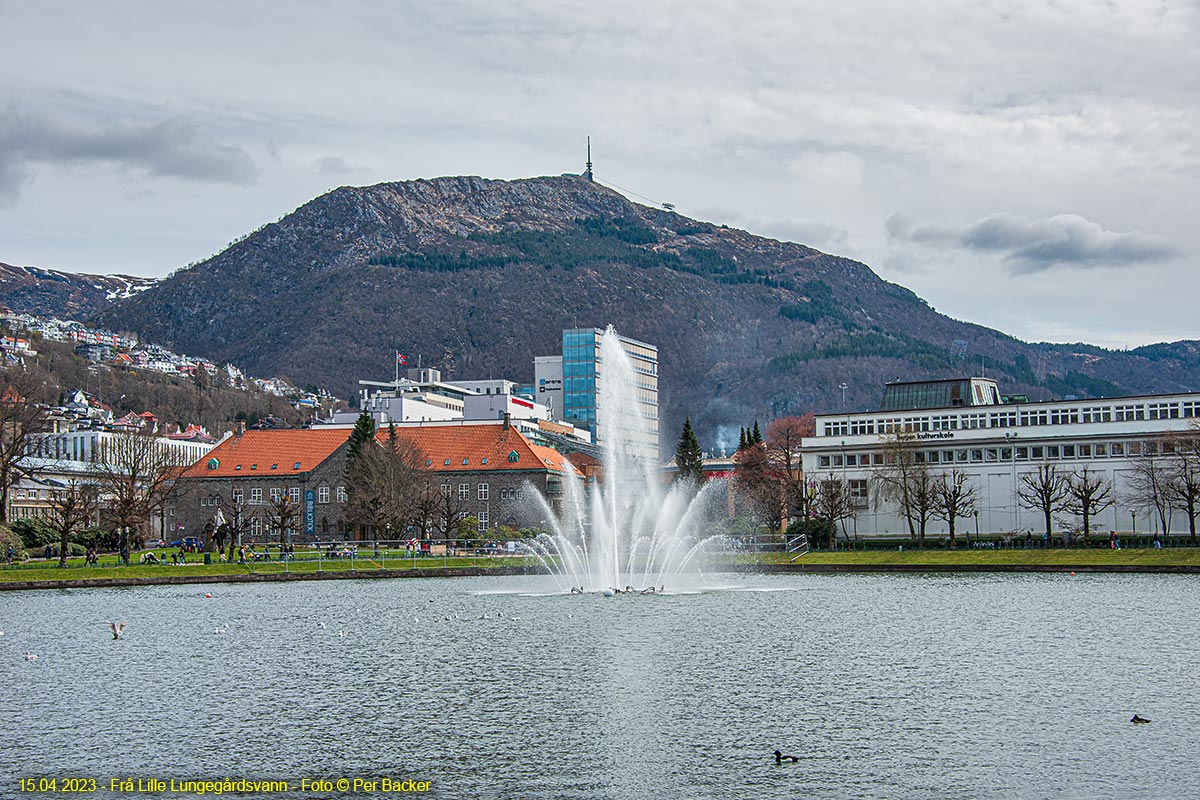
(884,686)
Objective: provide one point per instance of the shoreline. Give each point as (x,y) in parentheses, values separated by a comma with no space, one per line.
(811,568)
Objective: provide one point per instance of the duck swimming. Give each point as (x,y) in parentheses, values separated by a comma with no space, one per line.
(1139,720)
(780,758)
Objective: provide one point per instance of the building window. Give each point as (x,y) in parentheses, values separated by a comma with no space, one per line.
(256,526)
(464,491)
(275,495)
(482,492)
(482,516)
(447,489)
(322,494)
(294,494)
(341,494)
(823,461)
(256,497)
(514,456)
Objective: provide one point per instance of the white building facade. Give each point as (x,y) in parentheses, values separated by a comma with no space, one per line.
(994,445)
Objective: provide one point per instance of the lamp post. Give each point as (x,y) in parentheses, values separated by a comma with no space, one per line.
(1133,514)
(842,386)
(976,530)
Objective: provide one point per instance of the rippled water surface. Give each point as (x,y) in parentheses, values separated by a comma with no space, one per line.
(971,686)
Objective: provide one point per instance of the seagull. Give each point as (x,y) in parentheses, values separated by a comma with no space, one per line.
(780,758)
(218,630)
(30,656)
(118,628)
(321,624)
(341,633)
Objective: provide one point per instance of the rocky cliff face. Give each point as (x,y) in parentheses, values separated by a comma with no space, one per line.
(478,276)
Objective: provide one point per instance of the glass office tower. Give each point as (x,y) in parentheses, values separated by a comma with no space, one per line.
(583,373)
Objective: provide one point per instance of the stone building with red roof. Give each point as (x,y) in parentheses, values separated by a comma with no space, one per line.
(486,470)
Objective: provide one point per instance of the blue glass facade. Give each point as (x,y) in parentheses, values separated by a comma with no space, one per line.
(582,374)
(581,352)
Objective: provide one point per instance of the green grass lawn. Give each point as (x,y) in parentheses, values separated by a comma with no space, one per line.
(40,570)
(1145,557)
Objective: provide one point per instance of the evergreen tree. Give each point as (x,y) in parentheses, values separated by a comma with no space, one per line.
(688,457)
(742,439)
(364,431)
(756,437)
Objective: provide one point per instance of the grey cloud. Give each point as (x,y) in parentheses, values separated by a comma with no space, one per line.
(172,148)
(1033,245)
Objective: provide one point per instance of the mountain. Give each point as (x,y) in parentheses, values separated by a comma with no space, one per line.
(478,276)
(50,293)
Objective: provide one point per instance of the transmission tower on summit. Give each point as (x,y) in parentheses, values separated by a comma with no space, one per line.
(587,172)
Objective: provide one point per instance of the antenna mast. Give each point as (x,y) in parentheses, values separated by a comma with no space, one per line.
(587,173)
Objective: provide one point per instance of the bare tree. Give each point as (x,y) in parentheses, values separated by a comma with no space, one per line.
(832,503)
(782,446)
(450,511)
(237,523)
(22,419)
(1184,485)
(71,509)
(906,480)
(1150,483)
(1089,493)
(1045,490)
(954,497)
(383,483)
(135,473)
(425,502)
(284,512)
(757,487)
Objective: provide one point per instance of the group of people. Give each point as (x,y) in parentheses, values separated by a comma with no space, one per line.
(150,557)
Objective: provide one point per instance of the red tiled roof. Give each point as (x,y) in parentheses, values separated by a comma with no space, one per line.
(269,452)
(463,448)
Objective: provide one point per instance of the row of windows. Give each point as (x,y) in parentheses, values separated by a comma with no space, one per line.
(238,496)
(976,455)
(1127,412)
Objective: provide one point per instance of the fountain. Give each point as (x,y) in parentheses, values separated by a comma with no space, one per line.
(632,530)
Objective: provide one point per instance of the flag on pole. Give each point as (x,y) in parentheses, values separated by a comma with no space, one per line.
(400,359)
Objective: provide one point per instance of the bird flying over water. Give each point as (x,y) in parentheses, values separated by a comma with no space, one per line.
(118,628)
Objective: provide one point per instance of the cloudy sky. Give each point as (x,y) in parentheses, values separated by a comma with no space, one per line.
(1032,166)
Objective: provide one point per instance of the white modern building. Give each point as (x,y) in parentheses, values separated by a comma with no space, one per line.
(995,443)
